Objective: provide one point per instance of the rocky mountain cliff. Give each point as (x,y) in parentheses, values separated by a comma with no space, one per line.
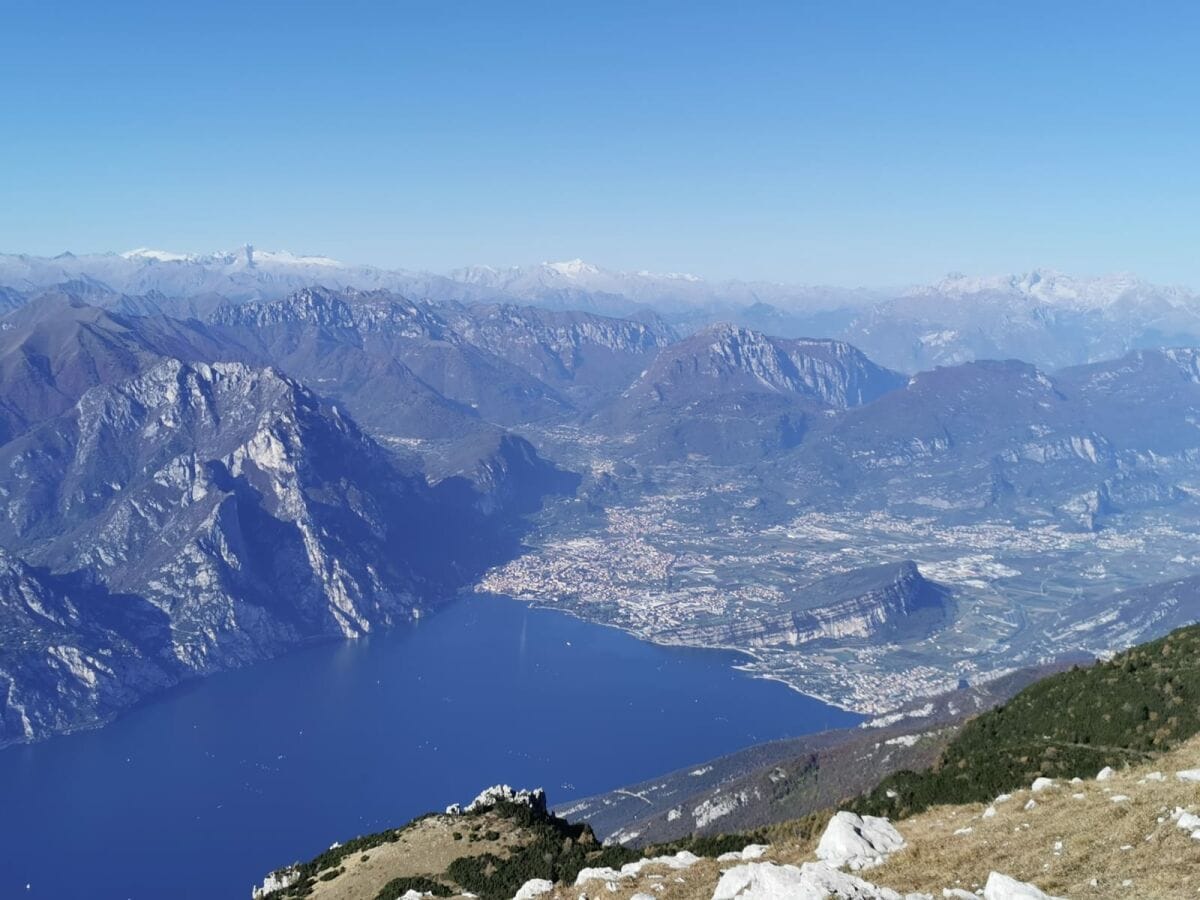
(730,359)
(737,395)
(58,346)
(499,364)
(875,603)
(1005,439)
(229,507)
(175,506)
(586,356)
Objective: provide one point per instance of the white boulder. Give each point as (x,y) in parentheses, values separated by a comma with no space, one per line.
(1106,773)
(535,887)
(1001,887)
(811,881)
(859,842)
(1189,822)
(752,851)
(1042,784)
(681,860)
(596,873)
(1188,775)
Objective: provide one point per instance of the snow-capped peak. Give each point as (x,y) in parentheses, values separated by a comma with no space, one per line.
(1056,288)
(573,268)
(247,254)
(286,257)
(672,276)
(157,255)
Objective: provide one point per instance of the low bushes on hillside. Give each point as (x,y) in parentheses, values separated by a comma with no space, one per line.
(1140,703)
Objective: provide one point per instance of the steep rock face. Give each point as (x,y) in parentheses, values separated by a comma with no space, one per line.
(736,396)
(727,358)
(884,601)
(578,352)
(230,508)
(66,646)
(364,346)
(499,475)
(1002,437)
(365,311)
(878,602)
(58,346)
(11,299)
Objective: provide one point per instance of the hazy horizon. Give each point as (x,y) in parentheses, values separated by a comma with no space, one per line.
(744,278)
(842,144)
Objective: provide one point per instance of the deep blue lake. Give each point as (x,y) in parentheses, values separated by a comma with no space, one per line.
(201,792)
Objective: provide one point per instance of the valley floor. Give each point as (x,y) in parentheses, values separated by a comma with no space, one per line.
(707,558)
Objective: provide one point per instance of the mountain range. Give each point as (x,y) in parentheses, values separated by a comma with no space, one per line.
(1043,317)
(206,460)
(175,504)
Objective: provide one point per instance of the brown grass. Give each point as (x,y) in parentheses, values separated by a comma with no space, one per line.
(1107,849)
(1160,861)
(425,848)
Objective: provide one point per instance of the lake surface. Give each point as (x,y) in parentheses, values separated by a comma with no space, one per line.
(203,791)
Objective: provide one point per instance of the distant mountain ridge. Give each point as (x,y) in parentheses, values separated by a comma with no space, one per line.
(315,416)
(1045,317)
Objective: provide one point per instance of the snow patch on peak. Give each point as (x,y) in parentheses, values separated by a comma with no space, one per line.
(1054,288)
(671,276)
(573,268)
(246,254)
(158,255)
(286,257)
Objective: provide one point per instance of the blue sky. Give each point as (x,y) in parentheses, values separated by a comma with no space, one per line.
(841,142)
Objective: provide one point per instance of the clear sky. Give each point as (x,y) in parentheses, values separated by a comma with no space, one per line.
(841,142)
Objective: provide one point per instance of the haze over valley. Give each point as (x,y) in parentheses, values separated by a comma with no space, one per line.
(611,445)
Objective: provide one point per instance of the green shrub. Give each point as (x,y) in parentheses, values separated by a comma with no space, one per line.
(1140,703)
(398,887)
(556,851)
